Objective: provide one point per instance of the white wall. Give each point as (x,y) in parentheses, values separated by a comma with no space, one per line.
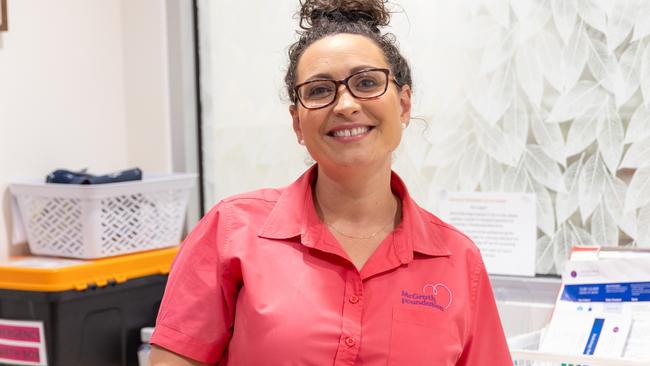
(146,85)
(82,84)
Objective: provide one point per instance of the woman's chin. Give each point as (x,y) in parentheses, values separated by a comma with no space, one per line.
(360,162)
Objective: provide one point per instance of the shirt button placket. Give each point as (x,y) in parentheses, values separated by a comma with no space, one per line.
(351,327)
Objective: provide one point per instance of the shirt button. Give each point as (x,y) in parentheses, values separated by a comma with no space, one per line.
(354,299)
(349,341)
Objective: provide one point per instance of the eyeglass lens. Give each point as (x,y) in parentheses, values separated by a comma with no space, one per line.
(367,84)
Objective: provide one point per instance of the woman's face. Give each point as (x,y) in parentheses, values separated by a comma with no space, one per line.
(349,132)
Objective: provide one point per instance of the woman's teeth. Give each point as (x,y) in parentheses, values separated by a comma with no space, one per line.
(351,132)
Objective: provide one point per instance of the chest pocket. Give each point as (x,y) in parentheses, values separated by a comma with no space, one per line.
(423,337)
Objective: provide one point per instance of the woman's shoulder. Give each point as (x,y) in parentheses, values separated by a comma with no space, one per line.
(263,195)
(265,199)
(252,200)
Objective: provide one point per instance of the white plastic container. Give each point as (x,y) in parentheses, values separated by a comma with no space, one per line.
(524,351)
(145,349)
(95,221)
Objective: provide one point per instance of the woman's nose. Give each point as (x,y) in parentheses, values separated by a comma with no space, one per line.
(345,103)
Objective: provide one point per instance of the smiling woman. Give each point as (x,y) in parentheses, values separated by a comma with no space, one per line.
(342,266)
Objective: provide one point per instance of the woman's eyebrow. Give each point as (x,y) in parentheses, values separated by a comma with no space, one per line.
(328,76)
(362,68)
(320,76)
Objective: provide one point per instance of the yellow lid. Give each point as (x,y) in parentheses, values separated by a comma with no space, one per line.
(58,274)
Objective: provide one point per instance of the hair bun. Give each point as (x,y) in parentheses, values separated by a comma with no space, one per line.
(371,12)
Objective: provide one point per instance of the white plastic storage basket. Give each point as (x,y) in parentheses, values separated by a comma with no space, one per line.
(524,351)
(94,221)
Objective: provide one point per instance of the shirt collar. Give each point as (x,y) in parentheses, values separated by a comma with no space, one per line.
(417,231)
(294,215)
(288,218)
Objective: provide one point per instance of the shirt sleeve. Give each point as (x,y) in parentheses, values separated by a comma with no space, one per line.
(196,315)
(486,342)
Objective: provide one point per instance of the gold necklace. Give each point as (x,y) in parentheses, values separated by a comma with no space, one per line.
(372,235)
(359,237)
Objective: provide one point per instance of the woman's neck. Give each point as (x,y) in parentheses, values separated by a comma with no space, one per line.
(355,201)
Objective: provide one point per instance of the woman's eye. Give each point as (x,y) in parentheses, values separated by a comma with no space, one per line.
(366,83)
(319,91)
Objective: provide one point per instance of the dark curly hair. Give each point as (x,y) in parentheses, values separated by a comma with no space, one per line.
(322,18)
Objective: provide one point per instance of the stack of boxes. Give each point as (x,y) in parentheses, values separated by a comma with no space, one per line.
(88,311)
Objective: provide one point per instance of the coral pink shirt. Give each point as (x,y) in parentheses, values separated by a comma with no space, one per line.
(261,281)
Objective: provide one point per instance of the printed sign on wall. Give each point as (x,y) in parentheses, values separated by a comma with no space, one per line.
(501,224)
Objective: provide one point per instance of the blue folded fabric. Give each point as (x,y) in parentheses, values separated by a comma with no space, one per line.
(81,177)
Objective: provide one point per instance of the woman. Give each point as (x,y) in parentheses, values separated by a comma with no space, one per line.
(341,267)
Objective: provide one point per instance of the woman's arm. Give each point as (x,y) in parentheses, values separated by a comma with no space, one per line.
(162,357)
(197,312)
(486,340)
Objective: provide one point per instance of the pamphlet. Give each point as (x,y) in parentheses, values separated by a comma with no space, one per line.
(603,308)
(590,333)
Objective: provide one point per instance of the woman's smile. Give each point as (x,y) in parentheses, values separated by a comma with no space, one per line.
(350,133)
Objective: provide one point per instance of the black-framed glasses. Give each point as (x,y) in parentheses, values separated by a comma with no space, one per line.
(364,85)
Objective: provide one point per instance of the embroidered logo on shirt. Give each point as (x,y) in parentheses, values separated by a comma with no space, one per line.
(437,296)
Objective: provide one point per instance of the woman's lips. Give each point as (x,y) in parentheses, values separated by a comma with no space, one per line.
(350,134)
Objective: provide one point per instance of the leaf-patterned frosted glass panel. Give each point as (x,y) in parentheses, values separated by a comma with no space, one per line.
(555,100)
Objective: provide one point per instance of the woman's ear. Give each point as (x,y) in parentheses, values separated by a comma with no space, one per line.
(293,111)
(405,103)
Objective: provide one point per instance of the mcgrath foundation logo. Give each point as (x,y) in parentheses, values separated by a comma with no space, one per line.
(437,296)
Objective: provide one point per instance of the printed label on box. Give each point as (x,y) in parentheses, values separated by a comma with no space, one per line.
(19,353)
(22,343)
(20,333)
